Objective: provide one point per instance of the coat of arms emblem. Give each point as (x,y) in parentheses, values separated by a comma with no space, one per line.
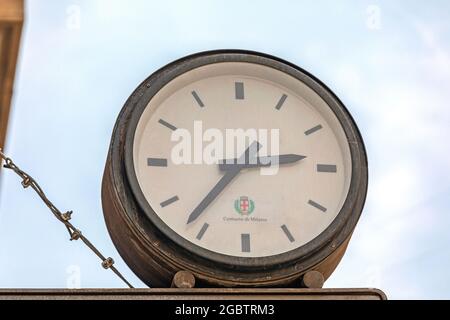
(244,206)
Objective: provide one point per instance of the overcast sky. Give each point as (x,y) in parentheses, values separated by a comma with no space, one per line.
(389,61)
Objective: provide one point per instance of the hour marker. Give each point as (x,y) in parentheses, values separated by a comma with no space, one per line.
(239,90)
(330,168)
(245,242)
(287,233)
(169,201)
(202,231)
(280,102)
(168,125)
(157,162)
(317,206)
(197,98)
(313,129)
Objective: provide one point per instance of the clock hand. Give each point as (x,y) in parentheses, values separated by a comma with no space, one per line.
(266,161)
(223,182)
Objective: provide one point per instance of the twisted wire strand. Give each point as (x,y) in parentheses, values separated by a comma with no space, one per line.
(75,234)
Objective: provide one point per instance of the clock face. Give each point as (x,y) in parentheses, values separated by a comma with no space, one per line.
(240,210)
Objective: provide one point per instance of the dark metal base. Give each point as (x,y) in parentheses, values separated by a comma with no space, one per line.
(192,294)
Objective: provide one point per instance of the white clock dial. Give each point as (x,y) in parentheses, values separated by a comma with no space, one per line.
(254,215)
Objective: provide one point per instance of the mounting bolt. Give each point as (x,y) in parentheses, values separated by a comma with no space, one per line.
(183,279)
(313,279)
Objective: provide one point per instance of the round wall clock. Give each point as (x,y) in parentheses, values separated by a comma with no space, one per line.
(226,221)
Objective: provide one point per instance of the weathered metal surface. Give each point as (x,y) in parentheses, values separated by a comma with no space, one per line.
(155,258)
(11,20)
(192,294)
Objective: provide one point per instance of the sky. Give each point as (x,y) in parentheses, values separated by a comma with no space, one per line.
(388,61)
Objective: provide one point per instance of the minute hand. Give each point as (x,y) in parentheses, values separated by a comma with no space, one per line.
(223,182)
(259,162)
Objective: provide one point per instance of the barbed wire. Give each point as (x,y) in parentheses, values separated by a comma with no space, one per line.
(75,234)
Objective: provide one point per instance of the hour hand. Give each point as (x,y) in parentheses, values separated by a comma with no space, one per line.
(264,161)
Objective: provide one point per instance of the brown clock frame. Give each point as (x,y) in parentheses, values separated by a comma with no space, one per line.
(155,252)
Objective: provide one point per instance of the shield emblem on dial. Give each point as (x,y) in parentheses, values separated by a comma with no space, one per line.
(244,206)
